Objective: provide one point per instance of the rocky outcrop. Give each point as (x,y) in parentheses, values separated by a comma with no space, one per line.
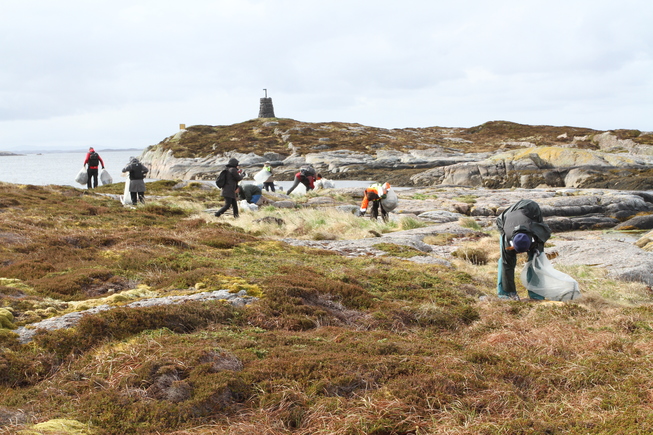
(550,166)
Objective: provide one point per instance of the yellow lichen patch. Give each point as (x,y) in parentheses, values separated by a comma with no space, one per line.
(232,283)
(58,426)
(565,157)
(142,291)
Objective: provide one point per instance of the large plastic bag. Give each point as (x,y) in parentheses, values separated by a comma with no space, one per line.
(82,176)
(262,176)
(126,198)
(105,177)
(390,201)
(540,277)
(246,206)
(323,183)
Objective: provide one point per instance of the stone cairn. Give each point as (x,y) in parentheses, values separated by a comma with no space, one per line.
(266,109)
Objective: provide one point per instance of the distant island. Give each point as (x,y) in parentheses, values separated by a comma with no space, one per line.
(7,153)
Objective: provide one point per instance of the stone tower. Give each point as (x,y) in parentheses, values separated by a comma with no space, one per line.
(266,110)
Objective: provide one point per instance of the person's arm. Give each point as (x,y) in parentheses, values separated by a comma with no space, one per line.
(364,204)
(86,159)
(101,161)
(294,185)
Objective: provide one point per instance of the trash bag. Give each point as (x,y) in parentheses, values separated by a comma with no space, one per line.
(126,198)
(323,183)
(82,177)
(540,277)
(262,176)
(105,177)
(246,206)
(390,201)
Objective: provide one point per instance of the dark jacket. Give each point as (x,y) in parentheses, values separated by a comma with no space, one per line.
(249,190)
(233,177)
(524,216)
(137,172)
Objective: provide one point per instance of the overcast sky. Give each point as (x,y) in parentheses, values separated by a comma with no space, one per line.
(125,74)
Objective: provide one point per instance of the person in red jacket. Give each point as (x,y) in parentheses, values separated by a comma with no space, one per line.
(306,176)
(375,193)
(93,160)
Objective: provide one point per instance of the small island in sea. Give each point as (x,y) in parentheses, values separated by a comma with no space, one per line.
(7,153)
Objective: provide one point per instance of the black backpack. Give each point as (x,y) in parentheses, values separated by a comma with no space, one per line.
(222,179)
(93,159)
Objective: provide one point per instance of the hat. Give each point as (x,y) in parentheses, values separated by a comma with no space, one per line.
(91,149)
(232,162)
(521,242)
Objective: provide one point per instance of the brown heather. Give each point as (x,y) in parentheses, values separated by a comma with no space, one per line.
(335,345)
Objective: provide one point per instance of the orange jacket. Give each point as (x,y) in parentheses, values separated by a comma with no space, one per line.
(377,192)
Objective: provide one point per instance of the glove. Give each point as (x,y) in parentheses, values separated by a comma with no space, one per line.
(361,212)
(102,167)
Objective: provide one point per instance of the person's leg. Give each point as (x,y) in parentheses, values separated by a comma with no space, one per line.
(94,178)
(255,199)
(88,179)
(530,293)
(384,214)
(225,207)
(272,186)
(134,197)
(235,207)
(375,210)
(141,197)
(506,274)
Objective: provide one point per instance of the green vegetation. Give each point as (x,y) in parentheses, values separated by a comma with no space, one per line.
(333,345)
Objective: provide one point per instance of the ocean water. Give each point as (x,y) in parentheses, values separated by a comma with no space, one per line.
(58,168)
(62,168)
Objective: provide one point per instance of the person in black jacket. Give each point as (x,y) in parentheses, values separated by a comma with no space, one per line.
(522,230)
(250,192)
(137,174)
(234,175)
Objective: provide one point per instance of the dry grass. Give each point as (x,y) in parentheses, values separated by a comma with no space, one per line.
(334,345)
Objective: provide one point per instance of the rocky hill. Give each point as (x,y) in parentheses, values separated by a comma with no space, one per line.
(494,154)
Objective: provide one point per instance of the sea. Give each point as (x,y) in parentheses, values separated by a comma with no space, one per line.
(58,168)
(62,168)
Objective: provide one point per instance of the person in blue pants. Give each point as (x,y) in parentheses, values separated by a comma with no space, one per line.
(523,230)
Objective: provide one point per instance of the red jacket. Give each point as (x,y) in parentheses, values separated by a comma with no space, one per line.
(88,154)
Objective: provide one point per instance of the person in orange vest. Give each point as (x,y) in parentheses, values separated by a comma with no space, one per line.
(375,193)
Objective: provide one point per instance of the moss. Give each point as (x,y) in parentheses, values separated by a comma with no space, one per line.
(399,250)
(6,319)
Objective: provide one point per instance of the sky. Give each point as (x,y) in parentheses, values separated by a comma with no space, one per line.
(120,74)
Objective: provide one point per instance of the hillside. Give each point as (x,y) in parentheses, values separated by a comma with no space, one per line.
(385,340)
(275,135)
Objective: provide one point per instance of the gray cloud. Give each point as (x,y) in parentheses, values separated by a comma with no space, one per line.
(126,73)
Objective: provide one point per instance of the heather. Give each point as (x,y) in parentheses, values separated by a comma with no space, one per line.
(331,344)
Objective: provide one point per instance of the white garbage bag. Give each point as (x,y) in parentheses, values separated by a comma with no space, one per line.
(540,277)
(262,176)
(82,177)
(105,177)
(126,198)
(390,201)
(323,183)
(246,206)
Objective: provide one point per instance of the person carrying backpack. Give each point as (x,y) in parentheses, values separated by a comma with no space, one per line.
(522,229)
(93,160)
(233,176)
(137,174)
(306,176)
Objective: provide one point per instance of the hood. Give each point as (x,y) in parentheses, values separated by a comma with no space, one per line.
(232,162)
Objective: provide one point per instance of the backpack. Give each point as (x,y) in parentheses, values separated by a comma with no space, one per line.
(222,179)
(93,159)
